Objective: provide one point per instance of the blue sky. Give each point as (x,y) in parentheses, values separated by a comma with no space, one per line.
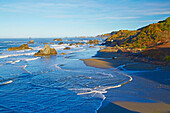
(60,18)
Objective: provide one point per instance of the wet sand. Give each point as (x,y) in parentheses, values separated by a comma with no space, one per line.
(111,63)
(147,93)
(145,107)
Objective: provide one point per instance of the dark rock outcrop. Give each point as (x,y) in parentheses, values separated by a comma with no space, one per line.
(71,44)
(79,43)
(66,48)
(160,53)
(22,47)
(91,46)
(46,51)
(95,42)
(62,53)
(60,43)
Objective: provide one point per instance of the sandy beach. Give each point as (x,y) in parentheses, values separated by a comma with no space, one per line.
(147,93)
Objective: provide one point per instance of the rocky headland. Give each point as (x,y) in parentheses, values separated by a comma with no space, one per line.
(148,44)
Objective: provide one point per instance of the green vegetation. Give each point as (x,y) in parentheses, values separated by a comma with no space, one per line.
(153,40)
(146,37)
(167,58)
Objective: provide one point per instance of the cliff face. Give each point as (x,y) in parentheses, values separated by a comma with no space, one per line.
(146,37)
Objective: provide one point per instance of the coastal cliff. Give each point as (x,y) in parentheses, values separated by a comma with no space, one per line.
(152,40)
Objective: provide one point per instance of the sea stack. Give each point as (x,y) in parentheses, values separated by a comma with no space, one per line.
(46,51)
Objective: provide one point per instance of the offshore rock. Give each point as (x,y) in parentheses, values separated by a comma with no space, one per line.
(91,46)
(60,43)
(66,48)
(46,51)
(71,44)
(31,42)
(22,47)
(57,39)
(95,42)
(79,43)
(62,53)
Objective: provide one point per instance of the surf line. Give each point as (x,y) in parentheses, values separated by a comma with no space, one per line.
(104,90)
(110,87)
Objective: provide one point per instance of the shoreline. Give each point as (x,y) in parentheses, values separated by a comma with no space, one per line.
(111,104)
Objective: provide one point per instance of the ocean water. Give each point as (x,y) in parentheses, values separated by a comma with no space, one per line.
(60,83)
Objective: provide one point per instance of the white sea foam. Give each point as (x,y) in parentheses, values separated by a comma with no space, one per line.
(24,67)
(30,59)
(102,89)
(105,74)
(36,48)
(75,46)
(84,40)
(57,47)
(15,61)
(99,90)
(57,66)
(23,50)
(77,51)
(6,82)
(100,104)
(12,55)
(85,89)
(121,67)
(12,62)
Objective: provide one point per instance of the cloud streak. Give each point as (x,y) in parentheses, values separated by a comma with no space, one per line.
(93,15)
(158,13)
(114,18)
(88,8)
